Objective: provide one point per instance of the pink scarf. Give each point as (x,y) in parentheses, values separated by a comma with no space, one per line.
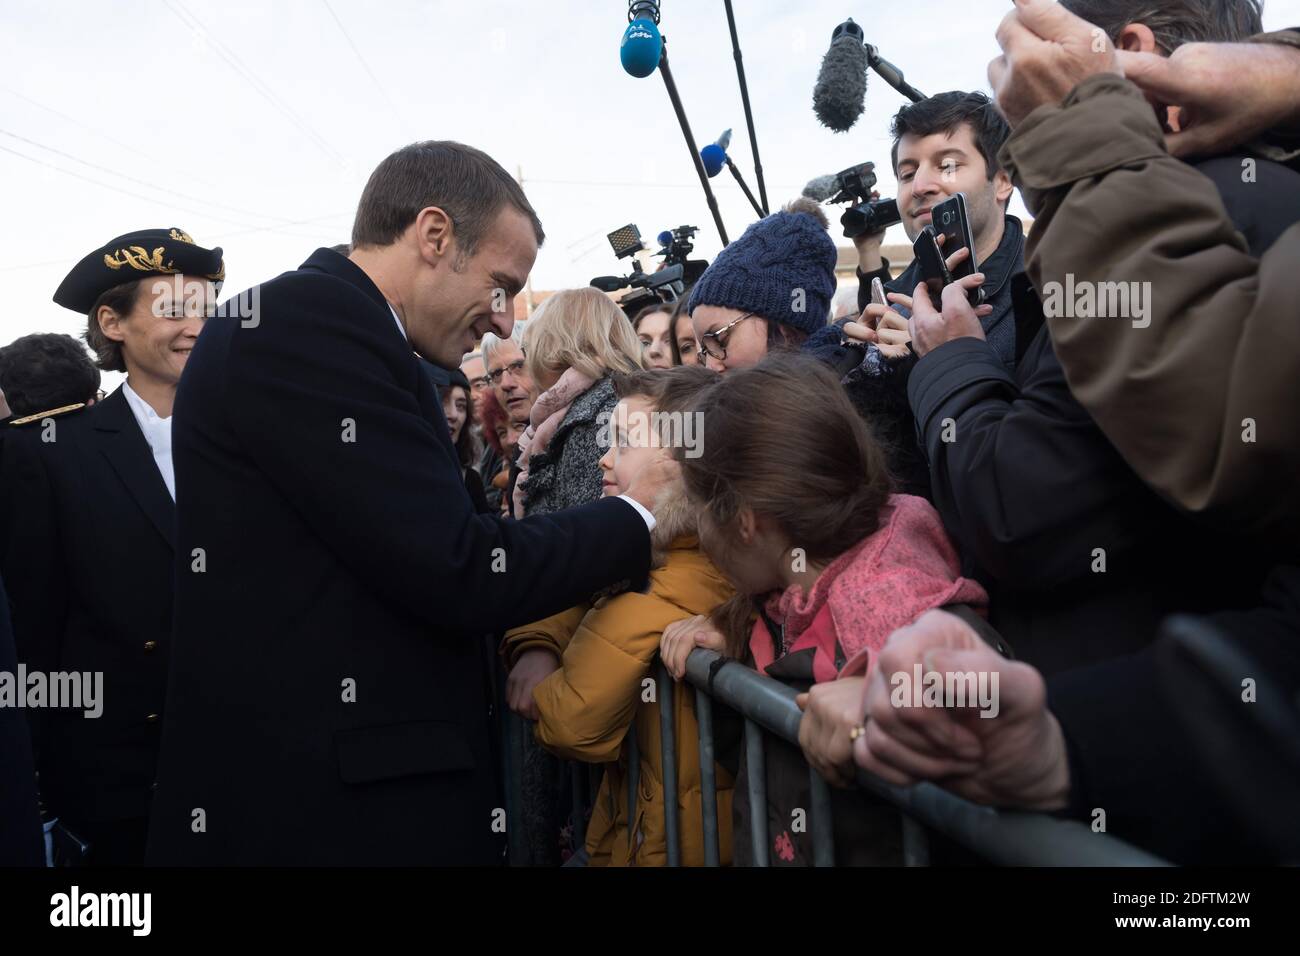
(906,567)
(544,420)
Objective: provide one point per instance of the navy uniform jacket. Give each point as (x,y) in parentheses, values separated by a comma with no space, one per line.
(326,702)
(20,824)
(86,554)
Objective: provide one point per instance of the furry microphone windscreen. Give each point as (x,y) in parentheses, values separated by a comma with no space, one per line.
(841,83)
(822,188)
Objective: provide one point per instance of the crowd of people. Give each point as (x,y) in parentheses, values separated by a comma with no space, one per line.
(308,549)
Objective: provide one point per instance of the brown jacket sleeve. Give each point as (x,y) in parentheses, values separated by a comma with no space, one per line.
(1198,389)
(552,634)
(587,705)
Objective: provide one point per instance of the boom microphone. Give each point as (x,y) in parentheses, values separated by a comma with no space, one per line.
(715,154)
(822,188)
(644,48)
(841,86)
(642,45)
(714,157)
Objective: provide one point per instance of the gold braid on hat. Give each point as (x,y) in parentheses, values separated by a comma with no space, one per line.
(137,258)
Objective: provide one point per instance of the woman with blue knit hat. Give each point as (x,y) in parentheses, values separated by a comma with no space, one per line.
(771,288)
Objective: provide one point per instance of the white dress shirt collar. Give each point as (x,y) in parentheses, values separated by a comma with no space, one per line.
(157,432)
(396,318)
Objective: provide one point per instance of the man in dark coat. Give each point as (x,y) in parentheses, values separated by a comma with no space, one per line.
(20,823)
(86,526)
(326,704)
(943,145)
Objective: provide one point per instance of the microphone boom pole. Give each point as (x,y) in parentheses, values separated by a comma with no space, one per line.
(690,142)
(892,75)
(749,115)
(745,188)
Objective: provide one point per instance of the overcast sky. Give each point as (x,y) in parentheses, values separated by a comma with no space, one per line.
(253,125)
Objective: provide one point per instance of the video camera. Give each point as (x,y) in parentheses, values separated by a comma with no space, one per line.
(854,185)
(666,284)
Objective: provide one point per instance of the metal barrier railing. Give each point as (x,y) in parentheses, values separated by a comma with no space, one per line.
(999,837)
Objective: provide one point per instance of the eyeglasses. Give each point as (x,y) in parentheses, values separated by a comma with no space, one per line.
(515,368)
(710,341)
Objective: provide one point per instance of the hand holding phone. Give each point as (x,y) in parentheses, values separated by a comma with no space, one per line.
(950,220)
(878,292)
(955,318)
(934,271)
(880,326)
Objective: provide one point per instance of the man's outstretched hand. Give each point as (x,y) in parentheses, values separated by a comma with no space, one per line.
(1046,52)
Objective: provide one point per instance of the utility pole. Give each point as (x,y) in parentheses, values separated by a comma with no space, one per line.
(528,284)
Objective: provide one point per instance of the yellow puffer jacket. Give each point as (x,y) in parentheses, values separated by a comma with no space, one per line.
(588,704)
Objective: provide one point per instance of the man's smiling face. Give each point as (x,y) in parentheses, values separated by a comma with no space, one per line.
(932,168)
(469,295)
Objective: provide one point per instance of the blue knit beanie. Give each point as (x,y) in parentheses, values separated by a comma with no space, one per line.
(763,270)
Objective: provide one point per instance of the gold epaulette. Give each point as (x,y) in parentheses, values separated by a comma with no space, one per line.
(50,414)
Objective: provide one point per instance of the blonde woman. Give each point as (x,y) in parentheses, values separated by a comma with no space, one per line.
(572,344)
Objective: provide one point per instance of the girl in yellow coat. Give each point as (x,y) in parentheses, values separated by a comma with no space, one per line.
(585,675)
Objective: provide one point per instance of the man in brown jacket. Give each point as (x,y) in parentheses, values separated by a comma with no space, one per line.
(1175,761)
(1202,401)
(1081,557)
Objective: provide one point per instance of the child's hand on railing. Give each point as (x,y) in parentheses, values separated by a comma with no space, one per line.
(531,669)
(832,720)
(681,637)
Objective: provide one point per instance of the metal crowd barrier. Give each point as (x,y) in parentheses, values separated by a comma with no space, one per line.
(998,837)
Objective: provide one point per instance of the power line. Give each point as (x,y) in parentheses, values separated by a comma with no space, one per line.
(581,239)
(196,25)
(78,123)
(639,185)
(136,195)
(103,185)
(224,237)
(295,222)
(366,66)
(33,265)
(141,182)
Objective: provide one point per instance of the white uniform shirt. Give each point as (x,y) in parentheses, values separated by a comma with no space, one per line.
(157,432)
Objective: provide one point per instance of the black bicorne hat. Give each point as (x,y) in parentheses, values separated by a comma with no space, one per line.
(137,255)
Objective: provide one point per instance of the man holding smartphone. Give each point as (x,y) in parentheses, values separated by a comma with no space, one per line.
(1081,559)
(944,145)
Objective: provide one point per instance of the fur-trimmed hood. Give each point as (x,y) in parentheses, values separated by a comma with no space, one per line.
(676,523)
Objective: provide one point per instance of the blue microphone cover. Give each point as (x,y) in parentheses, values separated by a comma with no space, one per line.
(714,158)
(641,48)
